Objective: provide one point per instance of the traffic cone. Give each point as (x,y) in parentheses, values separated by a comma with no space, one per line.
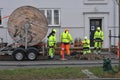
(63,56)
(118,49)
(118,53)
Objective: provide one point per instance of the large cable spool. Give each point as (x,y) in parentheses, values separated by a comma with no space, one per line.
(37,25)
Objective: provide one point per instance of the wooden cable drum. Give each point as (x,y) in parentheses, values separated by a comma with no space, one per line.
(27,15)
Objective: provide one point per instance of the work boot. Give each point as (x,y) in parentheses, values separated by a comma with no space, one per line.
(68,57)
(49,57)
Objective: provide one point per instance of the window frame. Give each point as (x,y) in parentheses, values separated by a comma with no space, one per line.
(52,15)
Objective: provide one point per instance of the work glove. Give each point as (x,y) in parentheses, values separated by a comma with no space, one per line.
(54,45)
(101,42)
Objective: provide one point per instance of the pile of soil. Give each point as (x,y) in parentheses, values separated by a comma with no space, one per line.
(91,56)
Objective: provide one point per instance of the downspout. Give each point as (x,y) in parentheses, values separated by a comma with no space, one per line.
(114,20)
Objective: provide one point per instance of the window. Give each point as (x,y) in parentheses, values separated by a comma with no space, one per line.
(52,15)
(49,17)
(56,17)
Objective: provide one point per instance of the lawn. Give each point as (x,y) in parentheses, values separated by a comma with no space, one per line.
(98,71)
(53,73)
(41,73)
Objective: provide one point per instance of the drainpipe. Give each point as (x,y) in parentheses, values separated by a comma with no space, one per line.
(114,20)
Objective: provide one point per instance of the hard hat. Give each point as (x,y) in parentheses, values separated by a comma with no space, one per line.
(54,30)
(66,29)
(85,37)
(98,28)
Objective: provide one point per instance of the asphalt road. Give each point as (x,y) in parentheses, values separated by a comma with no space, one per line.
(52,63)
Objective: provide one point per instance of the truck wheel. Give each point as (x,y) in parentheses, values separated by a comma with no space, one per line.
(32,53)
(19,54)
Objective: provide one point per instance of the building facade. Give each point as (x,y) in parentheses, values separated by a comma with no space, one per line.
(80,16)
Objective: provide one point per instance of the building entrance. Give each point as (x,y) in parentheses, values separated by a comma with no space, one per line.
(94,23)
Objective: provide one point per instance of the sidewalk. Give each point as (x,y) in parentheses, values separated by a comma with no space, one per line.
(57,56)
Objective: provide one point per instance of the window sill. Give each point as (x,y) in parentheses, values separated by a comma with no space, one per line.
(95,2)
(53,25)
(1,26)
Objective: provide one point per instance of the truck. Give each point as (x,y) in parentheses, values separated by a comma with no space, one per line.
(27,26)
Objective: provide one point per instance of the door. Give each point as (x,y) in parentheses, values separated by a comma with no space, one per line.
(94,23)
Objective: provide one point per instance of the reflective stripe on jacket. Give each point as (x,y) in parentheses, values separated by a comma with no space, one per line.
(99,35)
(52,40)
(86,43)
(66,37)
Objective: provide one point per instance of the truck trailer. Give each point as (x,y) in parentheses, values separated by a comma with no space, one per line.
(27,26)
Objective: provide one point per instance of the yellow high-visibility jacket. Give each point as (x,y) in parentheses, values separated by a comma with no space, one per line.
(86,43)
(66,37)
(52,40)
(99,34)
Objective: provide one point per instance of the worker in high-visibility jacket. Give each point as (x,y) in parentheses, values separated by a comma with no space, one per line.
(51,44)
(98,40)
(86,45)
(66,40)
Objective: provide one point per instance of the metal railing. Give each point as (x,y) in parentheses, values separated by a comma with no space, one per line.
(110,40)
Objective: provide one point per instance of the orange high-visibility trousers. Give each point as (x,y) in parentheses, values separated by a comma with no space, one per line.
(65,47)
